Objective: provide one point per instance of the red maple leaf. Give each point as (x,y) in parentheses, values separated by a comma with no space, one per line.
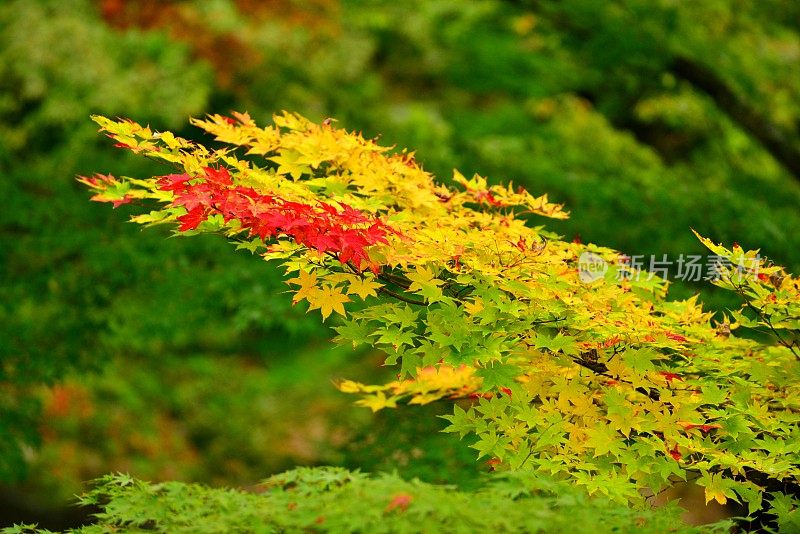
(200,195)
(401,502)
(493,463)
(705,428)
(124,200)
(192,219)
(486,197)
(173,182)
(670,376)
(676,337)
(675,453)
(218,176)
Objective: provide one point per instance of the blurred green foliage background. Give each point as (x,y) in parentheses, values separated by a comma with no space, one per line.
(123,350)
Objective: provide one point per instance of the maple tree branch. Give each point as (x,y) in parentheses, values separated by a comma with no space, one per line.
(398,296)
(547,321)
(759,313)
(386,277)
(601,369)
(397,280)
(780,339)
(333,255)
(392,279)
(461,293)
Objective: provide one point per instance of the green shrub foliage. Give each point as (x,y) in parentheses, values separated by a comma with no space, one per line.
(336,500)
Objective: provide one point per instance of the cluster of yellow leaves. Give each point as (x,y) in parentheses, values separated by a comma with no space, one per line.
(430,384)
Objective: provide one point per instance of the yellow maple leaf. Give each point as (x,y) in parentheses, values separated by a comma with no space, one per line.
(308,286)
(716,488)
(473,306)
(378,401)
(288,163)
(363,287)
(425,283)
(328,299)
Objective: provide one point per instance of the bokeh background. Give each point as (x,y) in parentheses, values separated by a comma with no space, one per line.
(123,350)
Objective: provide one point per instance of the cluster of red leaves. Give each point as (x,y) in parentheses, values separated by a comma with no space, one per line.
(344,232)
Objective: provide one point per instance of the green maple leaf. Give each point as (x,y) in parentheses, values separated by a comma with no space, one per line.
(402,315)
(494,408)
(551,436)
(430,353)
(461,421)
(492,349)
(152,218)
(253,245)
(335,186)
(425,283)
(356,332)
(714,395)
(449,327)
(558,343)
(750,494)
(395,337)
(665,467)
(455,336)
(409,364)
(640,360)
(735,425)
(490,444)
(498,375)
(604,440)
(486,444)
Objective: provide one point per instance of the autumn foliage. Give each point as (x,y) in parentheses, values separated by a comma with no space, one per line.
(605,382)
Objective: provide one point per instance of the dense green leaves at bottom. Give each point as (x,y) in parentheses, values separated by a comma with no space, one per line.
(336,500)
